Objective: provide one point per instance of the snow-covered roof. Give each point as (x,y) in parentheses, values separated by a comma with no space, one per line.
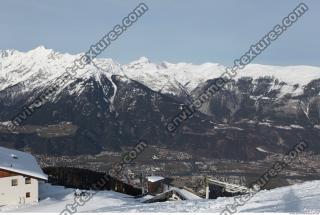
(155,178)
(229,187)
(186,194)
(20,162)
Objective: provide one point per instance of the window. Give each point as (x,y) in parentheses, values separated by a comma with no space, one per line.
(14,182)
(28,195)
(27,180)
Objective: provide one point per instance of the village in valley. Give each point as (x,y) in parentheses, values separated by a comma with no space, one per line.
(21,176)
(184,170)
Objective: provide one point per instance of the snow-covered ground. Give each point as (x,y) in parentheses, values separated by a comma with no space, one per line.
(301,198)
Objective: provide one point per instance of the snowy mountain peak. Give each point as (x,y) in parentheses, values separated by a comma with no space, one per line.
(144,60)
(40,65)
(138,64)
(6,53)
(40,49)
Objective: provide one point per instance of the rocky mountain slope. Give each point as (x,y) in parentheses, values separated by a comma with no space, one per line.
(108,106)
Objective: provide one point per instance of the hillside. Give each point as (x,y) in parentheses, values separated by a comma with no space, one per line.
(300,198)
(108,106)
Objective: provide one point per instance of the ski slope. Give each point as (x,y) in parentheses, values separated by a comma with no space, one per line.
(299,198)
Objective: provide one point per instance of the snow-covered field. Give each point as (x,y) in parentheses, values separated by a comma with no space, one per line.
(301,198)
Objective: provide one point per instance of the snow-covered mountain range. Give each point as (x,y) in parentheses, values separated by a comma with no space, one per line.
(38,67)
(120,104)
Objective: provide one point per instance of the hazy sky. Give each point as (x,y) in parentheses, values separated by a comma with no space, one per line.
(172,30)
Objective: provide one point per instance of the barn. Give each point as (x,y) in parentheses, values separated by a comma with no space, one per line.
(19,177)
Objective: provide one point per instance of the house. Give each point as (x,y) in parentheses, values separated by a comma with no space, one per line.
(216,188)
(19,177)
(160,191)
(155,184)
(172,194)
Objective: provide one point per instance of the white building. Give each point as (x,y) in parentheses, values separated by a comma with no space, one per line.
(19,177)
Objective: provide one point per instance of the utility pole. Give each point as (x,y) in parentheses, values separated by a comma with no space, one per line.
(206,187)
(142,182)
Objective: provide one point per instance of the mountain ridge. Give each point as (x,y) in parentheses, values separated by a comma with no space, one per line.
(164,77)
(107,106)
